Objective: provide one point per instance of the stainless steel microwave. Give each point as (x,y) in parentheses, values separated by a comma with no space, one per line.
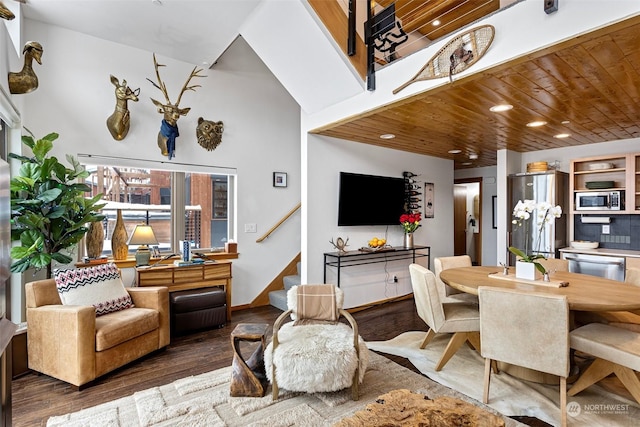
(600,201)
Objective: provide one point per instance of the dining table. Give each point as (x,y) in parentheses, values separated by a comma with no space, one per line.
(584,293)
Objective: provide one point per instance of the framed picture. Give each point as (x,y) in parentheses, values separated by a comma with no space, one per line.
(429,197)
(494,210)
(279,179)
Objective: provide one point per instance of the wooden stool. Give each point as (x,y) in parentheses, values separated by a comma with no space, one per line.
(248,378)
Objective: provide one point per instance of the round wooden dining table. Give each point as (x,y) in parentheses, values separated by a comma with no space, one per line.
(584,292)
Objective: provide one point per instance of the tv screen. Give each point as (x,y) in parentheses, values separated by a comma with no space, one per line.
(370,199)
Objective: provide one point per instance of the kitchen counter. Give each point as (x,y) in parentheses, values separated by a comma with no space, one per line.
(603,251)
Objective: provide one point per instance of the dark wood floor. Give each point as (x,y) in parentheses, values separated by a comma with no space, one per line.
(37,397)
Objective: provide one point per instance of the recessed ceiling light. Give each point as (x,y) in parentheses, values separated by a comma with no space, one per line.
(387,136)
(565,122)
(455,151)
(436,23)
(501,107)
(536,123)
(465,164)
(473,156)
(562,135)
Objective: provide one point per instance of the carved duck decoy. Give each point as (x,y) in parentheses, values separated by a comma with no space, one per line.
(26,81)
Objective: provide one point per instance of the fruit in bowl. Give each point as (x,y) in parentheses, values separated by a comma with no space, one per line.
(377,243)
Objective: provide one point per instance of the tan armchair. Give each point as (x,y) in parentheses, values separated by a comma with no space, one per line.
(70,343)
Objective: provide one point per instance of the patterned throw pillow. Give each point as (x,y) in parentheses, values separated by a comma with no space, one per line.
(100,286)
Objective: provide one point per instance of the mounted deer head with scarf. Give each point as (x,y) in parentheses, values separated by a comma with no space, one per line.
(171,112)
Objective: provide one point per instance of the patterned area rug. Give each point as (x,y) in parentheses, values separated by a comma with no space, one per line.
(204,400)
(508,395)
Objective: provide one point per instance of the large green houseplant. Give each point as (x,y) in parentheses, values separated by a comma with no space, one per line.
(49,210)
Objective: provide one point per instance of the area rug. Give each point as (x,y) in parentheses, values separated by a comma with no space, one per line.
(204,400)
(508,395)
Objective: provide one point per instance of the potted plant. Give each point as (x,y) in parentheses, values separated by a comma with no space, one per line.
(527,262)
(49,210)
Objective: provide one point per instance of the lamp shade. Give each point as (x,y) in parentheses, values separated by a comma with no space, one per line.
(143,235)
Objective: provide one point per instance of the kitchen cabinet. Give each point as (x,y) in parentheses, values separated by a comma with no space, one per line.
(621,170)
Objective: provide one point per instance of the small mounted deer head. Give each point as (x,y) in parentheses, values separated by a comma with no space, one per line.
(118,122)
(171,112)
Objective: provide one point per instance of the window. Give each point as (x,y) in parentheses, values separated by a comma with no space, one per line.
(145,197)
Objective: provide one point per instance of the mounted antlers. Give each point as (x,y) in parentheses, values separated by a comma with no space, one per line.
(171,113)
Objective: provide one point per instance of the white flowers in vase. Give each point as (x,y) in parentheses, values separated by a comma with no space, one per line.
(545,213)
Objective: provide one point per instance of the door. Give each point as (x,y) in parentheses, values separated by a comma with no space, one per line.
(467,222)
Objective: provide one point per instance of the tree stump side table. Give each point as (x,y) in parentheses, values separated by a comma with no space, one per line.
(248,378)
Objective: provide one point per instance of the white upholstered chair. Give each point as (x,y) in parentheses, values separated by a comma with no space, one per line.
(316,352)
(617,351)
(446,292)
(460,319)
(525,329)
(552,265)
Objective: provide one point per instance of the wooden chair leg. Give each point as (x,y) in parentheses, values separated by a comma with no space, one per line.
(563,401)
(629,379)
(455,343)
(474,339)
(598,370)
(487,377)
(355,393)
(428,338)
(274,384)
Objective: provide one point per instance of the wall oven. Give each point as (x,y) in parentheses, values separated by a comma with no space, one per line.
(600,201)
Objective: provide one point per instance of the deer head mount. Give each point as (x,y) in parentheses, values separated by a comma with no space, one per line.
(118,122)
(171,112)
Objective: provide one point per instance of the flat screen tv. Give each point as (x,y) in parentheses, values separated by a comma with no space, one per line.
(370,199)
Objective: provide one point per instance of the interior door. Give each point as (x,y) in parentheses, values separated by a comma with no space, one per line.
(459,219)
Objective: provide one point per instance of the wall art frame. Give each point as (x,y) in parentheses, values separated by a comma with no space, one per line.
(429,198)
(279,179)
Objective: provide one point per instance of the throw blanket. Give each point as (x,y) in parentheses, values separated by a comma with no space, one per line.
(316,302)
(171,133)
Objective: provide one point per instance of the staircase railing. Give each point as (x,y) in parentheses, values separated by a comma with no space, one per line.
(279,223)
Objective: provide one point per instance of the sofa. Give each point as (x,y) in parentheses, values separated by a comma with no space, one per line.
(74,344)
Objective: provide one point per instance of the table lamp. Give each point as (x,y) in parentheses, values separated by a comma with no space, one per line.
(143,236)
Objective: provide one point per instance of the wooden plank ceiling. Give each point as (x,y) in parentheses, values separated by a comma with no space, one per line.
(588,87)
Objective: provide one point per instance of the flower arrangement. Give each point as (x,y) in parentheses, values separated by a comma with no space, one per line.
(522,212)
(410,222)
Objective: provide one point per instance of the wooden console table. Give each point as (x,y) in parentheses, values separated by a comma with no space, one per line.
(207,275)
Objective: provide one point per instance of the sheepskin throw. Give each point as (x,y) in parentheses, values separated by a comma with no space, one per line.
(315,358)
(100,286)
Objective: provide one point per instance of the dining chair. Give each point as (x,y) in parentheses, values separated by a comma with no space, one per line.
(528,330)
(446,292)
(463,320)
(552,265)
(616,351)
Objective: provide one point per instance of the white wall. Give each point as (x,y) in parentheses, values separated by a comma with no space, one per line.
(327,157)
(261,135)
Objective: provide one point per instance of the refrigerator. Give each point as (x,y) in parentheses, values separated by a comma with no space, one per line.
(551,186)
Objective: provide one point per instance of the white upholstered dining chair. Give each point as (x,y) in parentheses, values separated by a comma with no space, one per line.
(525,329)
(446,292)
(460,319)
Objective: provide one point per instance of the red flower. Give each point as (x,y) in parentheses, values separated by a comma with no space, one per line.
(410,222)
